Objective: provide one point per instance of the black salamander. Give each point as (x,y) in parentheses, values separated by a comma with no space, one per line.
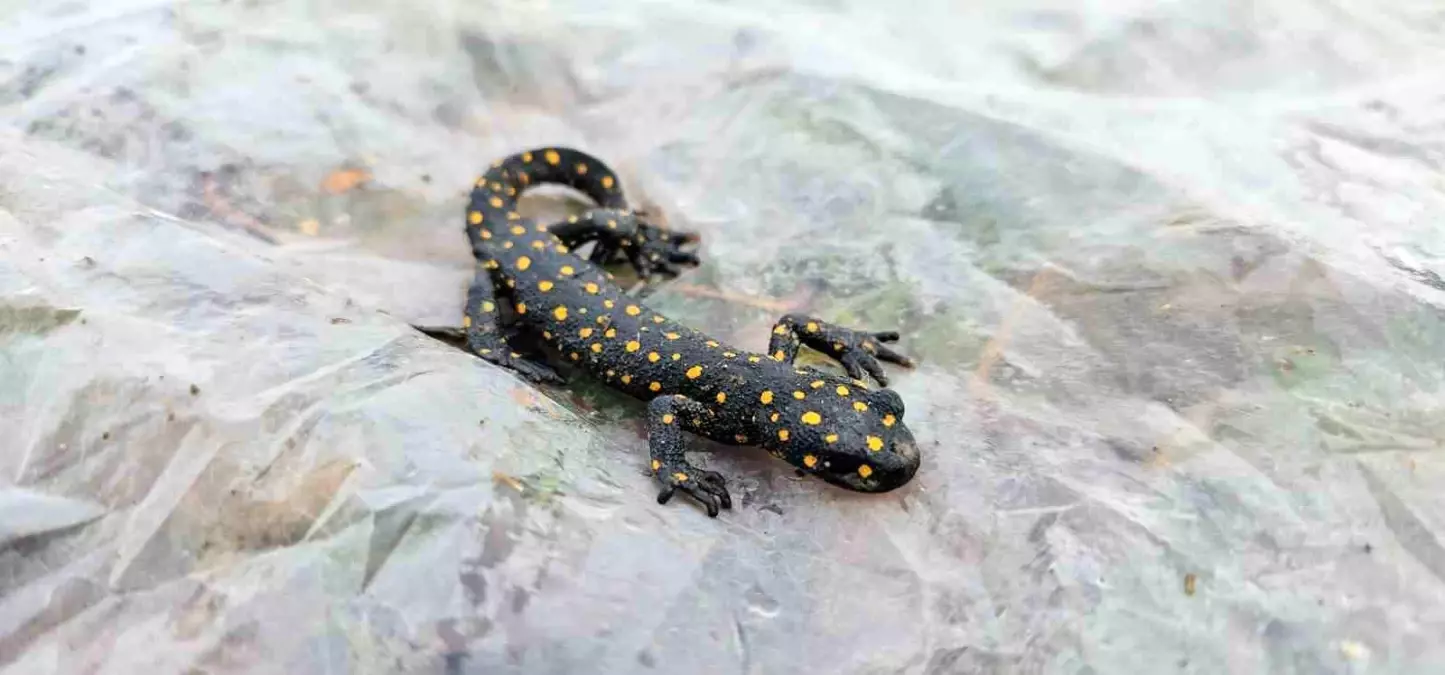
(836,428)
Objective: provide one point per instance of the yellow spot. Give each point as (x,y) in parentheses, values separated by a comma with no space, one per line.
(486,234)
(491,265)
(581,169)
(831,438)
(837,346)
(728,355)
(486,351)
(603,318)
(611,372)
(782,434)
(597,347)
(816,384)
(875,444)
(633,310)
(496,202)
(812,327)
(540,227)
(560,313)
(778,355)
(543,286)
(712,343)
(676,357)
(518,230)
(842,390)
(526,157)
(566,271)
(496,187)
(653,357)
(889,419)
(607,182)
(655,386)
(780,329)
(539,244)
(722,397)
(865,471)
(521,308)
(860,406)
(812,418)
(667,419)
(487,306)
(671,336)
(608,304)
(574,356)
(525,178)
(626,379)
(767,397)
(591,288)
(513,215)
(611,332)
(694,372)
(552,157)
(657,319)
(475,217)
(585,332)
(546,335)
(773,417)
(810,461)
(561,248)
(860,384)
(740,438)
(524,262)
(633,345)
(466,322)
(754,359)
(799,395)
(507,244)
(656,465)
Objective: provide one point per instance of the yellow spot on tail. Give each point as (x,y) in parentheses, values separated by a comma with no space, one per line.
(487,306)
(816,384)
(581,169)
(566,271)
(496,202)
(799,395)
(767,397)
(607,182)
(552,157)
(585,332)
(865,470)
(608,304)
(653,357)
(667,419)
(843,391)
(521,308)
(633,345)
(475,217)
(782,434)
(889,419)
(591,288)
(671,336)
(811,327)
(728,355)
(860,406)
(633,310)
(657,319)
(539,244)
(694,372)
(507,244)
(626,379)
(810,461)
(524,262)
(831,438)
(875,444)
(486,234)
(754,359)
(526,157)
(676,357)
(780,329)
(655,386)
(812,418)
(722,397)
(712,343)
(656,465)
(560,313)
(466,322)
(518,230)
(611,332)
(597,347)
(773,417)
(544,286)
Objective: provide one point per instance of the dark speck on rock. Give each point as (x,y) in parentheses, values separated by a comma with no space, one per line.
(195,391)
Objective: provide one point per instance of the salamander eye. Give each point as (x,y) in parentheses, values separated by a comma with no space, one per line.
(888,400)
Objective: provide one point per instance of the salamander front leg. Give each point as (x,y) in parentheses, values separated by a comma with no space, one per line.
(670,465)
(857,350)
(648,248)
(481,333)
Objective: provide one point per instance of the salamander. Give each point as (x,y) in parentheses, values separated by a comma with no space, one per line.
(839,429)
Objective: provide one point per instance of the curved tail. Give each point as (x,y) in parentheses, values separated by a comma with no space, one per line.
(494,198)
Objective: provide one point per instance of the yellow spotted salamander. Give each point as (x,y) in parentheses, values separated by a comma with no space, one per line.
(836,428)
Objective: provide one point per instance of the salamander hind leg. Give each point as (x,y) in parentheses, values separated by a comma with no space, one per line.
(669,463)
(858,351)
(481,333)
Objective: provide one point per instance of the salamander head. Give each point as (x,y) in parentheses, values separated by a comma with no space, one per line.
(843,433)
